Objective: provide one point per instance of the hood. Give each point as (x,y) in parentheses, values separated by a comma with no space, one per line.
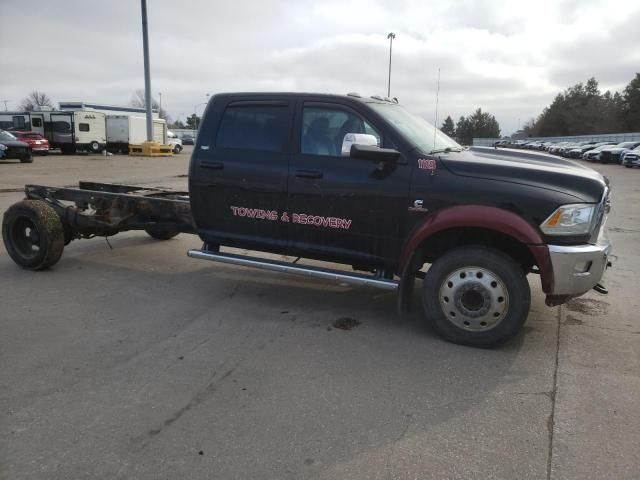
(528,168)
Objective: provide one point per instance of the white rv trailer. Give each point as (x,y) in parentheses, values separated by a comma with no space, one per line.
(71,131)
(107,109)
(125,130)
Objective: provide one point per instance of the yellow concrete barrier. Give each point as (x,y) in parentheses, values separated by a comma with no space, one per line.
(151,149)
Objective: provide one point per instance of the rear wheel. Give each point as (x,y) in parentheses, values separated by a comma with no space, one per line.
(476,296)
(33,234)
(177,149)
(161,235)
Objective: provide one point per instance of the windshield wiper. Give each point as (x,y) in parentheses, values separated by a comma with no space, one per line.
(445,150)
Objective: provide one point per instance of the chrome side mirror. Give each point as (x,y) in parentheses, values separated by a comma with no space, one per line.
(357,139)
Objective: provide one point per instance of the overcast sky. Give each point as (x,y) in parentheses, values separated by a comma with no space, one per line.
(507,57)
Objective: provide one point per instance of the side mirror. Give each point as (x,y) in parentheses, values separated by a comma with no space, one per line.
(357,139)
(366,152)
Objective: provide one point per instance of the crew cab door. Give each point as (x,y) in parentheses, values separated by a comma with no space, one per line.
(238,173)
(342,208)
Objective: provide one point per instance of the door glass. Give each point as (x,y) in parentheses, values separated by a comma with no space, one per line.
(323,130)
(253,127)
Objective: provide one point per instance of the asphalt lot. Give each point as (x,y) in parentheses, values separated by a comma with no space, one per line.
(136,362)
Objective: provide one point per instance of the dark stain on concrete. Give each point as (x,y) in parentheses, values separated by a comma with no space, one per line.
(588,306)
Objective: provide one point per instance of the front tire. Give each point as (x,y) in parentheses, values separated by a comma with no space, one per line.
(33,234)
(27,158)
(94,147)
(161,235)
(476,296)
(177,149)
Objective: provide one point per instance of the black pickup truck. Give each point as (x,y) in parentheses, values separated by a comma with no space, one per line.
(363,183)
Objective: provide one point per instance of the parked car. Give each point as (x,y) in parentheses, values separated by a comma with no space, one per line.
(594,154)
(581,148)
(174,141)
(37,142)
(611,154)
(631,158)
(11,147)
(188,140)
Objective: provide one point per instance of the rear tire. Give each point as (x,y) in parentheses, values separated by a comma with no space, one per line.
(177,149)
(33,234)
(27,159)
(476,296)
(161,235)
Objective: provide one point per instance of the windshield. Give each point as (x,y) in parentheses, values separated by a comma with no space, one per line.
(415,129)
(6,136)
(626,145)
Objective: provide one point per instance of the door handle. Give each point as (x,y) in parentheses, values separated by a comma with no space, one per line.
(212,165)
(308,174)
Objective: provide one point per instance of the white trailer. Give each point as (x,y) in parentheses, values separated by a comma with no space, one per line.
(71,131)
(124,130)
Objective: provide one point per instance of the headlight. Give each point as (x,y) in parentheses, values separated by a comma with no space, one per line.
(3,147)
(572,219)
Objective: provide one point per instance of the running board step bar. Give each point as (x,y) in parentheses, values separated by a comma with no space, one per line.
(287,267)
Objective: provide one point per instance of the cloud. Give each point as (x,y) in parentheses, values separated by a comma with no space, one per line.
(510,58)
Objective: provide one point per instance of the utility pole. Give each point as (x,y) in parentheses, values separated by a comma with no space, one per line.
(147,73)
(391,36)
(160,95)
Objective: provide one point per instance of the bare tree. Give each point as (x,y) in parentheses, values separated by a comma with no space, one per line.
(35,100)
(137,100)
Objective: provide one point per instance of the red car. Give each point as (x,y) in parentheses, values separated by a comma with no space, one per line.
(37,142)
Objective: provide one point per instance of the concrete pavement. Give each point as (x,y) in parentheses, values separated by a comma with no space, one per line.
(137,362)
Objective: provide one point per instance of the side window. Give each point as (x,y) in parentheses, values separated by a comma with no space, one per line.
(83,127)
(18,123)
(253,127)
(323,130)
(36,122)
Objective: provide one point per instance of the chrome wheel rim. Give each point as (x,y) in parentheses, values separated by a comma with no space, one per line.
(474,298)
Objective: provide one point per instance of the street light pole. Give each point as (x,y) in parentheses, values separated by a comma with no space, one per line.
(147,73)
(160,112)
(391,36)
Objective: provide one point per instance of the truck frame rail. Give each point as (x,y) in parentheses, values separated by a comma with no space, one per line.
(104,209)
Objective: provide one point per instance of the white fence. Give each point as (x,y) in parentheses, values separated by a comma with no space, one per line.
(608,137)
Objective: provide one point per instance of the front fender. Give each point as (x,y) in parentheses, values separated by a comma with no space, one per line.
(489,218)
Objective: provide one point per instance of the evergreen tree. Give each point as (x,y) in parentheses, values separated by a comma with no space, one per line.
(448,127)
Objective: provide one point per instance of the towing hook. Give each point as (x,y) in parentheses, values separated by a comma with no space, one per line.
(598,287)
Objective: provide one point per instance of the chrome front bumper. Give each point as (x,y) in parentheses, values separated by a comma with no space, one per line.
(577,269)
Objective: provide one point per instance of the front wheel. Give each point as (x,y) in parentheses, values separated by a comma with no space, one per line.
(476,296)
(94,147)
(177,149)
(33,234)
(161,234)
(27,158)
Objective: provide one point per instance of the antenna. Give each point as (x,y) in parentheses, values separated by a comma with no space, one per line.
(435,125)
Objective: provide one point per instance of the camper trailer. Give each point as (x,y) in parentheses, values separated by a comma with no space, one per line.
(71,131)
(108,109)
(124,130)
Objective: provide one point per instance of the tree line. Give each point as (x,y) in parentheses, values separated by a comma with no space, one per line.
(479,125)
(583,109)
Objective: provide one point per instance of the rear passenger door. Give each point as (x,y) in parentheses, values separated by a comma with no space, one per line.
(238,177)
